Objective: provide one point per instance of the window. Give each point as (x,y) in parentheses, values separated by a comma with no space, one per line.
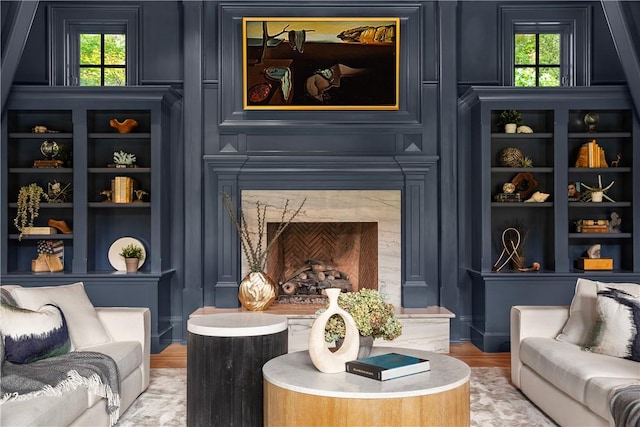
(90,51)
(103,60)
(537,60)
(545,46)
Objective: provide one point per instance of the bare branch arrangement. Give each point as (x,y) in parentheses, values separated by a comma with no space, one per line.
(256,253)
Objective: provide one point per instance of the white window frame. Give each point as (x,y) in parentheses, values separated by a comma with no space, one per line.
(572,23)
(66,23)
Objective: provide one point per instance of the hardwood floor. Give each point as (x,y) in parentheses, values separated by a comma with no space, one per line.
(175,356)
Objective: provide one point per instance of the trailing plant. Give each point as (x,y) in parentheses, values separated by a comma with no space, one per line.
(372,315)
(132,251)
(29,198)
(256,252)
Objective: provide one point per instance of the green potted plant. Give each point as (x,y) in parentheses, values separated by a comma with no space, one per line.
(132,255)
(374,318)
(29,198)
(510,119)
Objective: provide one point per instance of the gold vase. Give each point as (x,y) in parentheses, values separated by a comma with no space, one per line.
(257,291)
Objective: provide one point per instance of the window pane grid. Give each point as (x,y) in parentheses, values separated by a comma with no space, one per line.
(537,59)
(102,60)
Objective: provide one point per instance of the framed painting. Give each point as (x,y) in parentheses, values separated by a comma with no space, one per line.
(321,63)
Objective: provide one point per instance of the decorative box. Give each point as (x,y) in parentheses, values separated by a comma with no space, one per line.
(594,263)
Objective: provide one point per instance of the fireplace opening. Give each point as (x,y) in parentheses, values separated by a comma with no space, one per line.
(311,256)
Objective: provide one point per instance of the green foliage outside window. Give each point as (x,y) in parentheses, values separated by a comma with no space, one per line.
(103,60)
(537,60)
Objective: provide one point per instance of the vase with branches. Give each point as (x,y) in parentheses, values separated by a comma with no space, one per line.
(29,198)
(257,291)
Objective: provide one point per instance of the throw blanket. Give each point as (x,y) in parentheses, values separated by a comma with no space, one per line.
(52,376)
(625,406)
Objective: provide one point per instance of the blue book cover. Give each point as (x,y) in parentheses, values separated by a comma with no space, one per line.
(387,366)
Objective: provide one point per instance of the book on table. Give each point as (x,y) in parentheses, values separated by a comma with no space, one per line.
(387,366)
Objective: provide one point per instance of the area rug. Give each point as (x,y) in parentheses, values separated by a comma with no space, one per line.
(494,401)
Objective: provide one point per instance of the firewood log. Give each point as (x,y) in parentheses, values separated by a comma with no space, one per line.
(289,288)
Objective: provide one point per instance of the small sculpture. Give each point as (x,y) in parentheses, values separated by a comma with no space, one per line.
(124,159)
(106,193)
(139,194)
(615,163)
(594,251)
(591,120)
(525,184)
(614,223)
(537,197)
(511,157)
(123,127)
(57,193)
(524,129)
(508,187)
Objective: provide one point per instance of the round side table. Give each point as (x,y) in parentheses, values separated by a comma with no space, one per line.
(225,355)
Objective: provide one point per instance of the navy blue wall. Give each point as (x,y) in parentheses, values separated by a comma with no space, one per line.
(446,46)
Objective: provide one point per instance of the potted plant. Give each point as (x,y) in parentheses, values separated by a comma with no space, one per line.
(257,291)
(29,198)
(374,318)
(598,193)
(510,119)
(132,255)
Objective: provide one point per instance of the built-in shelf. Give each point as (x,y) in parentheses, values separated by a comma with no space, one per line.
(82,115)
(557,117)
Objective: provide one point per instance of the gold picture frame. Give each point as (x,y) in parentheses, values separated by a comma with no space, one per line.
(292,63)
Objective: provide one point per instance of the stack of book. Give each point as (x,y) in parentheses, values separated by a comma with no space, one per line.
(387,366)
(122,189)
(39,231)
(595,155)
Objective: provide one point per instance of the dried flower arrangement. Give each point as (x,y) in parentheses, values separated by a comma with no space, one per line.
(372,315)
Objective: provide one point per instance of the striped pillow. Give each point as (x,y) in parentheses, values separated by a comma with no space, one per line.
(33,335)
(616,331)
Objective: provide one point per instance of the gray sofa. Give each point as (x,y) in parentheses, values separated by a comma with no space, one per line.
(127,342)
(571,385)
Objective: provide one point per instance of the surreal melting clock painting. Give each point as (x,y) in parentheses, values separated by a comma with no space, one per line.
(321,63)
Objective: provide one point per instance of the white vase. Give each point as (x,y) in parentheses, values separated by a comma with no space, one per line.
(510,128)
(596,196)
(322,357)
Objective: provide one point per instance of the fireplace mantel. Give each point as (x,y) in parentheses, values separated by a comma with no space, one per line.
(232,173)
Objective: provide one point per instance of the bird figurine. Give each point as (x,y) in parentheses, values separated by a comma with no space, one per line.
(123,127)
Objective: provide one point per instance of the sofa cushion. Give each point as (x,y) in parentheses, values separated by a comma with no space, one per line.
(33,335)
(126,354)
(85,329)
(615,331)
(600,391)
(570,368)
(582,313)
(45,411)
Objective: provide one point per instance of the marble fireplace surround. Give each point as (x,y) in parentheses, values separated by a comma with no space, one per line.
(395,185)
(379,206)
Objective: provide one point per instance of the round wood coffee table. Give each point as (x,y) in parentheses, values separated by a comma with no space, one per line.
(296,394)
